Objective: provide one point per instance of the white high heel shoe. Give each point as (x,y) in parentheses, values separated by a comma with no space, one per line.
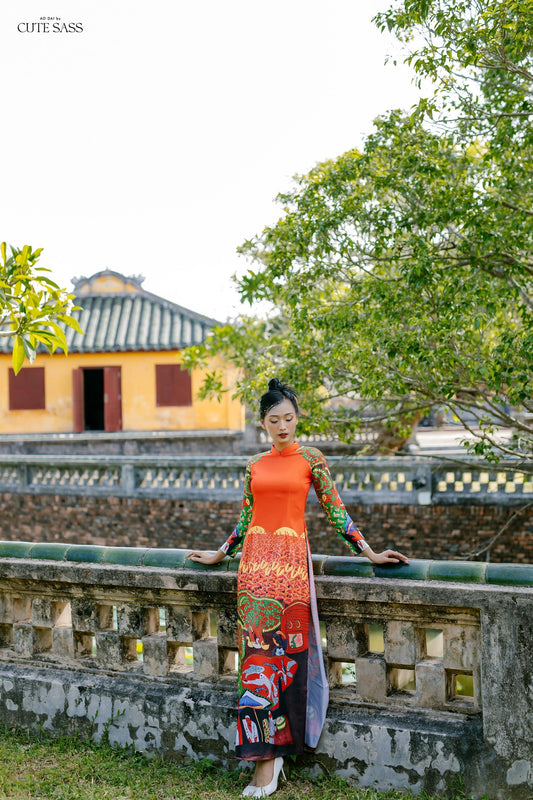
(270,788)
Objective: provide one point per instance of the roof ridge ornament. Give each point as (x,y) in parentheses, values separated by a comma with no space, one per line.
(107,281)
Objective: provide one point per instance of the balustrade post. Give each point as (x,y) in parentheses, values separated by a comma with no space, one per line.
(128,480)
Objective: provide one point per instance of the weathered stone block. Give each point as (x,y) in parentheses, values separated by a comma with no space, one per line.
(227,627)
(6,635)
(42,640)
(131,649)
(371,678)
(430,684)
(401,641)
(109,652)
(21,609)
(205,658)
(136,620)
(344,637)
(105,617)
(61,614)
(227,661)
(63,642)
(41,615)
(177,658)
(6,608)
(201,628)
(334,672)
(155,655)
(83,644)
(24,638)
(84,615)
(179,624)
(461,647)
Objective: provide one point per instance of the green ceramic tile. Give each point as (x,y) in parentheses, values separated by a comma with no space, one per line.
(415,570)
(128,556)
(15,549)
(166,557)
(89,553)
(233,563)
(510,574)
(53,551)
(460,571)
(344,566)
(318,564)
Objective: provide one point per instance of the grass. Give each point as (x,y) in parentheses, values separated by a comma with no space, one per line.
(68,769)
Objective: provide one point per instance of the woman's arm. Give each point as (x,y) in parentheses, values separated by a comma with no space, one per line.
(234,542)
(206,556)
(386,557)
(338,516)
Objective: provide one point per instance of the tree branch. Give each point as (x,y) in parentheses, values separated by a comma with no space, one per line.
(511,519)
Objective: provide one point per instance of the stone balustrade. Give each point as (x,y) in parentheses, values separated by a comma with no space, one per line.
(429,663)
(401,480)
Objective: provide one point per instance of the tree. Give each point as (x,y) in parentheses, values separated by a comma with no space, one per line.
(400,277)
(33,309)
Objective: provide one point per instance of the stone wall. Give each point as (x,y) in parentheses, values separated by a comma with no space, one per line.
(435,531)
(427,509)
(163,443)
(142,644)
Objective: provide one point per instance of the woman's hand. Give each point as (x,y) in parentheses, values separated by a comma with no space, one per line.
(206,556)
(386,557)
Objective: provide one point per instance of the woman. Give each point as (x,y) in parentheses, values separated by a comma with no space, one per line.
(283,691)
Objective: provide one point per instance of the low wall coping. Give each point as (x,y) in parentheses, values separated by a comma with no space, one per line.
(340,566)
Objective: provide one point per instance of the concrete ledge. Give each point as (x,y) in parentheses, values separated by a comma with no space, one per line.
(339,566)
(185,720)
(143,643)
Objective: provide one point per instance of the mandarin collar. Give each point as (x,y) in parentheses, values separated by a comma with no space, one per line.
(287,451)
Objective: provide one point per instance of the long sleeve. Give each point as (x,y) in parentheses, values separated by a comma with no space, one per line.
(234,542)
(332,504)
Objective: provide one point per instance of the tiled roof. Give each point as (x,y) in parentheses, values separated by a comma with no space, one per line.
(130,320)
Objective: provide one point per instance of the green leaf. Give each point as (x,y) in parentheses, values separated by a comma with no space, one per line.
(29,350)
(71,322)
(18,354)
(59,336)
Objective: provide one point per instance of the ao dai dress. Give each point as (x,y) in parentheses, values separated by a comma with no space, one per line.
(283,691)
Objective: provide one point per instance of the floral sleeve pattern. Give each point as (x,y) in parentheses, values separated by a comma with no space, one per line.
(330,501)
(235,541)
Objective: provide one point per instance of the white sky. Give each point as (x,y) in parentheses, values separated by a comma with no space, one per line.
(155,141)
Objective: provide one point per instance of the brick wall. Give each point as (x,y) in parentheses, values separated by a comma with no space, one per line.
(439,532)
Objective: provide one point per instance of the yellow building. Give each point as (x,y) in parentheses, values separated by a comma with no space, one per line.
(124,373)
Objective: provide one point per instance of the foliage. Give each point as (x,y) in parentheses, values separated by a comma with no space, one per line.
(33,309)
(399,278)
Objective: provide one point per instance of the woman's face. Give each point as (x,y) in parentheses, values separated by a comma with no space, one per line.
(280,424)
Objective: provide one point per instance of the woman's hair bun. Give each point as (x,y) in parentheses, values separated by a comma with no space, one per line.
(277,392)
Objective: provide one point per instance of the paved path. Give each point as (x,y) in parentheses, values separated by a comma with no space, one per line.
(444,441)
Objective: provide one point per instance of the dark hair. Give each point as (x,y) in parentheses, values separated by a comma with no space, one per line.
(277,393)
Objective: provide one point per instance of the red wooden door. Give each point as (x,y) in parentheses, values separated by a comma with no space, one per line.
(78,410)
(112,399)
